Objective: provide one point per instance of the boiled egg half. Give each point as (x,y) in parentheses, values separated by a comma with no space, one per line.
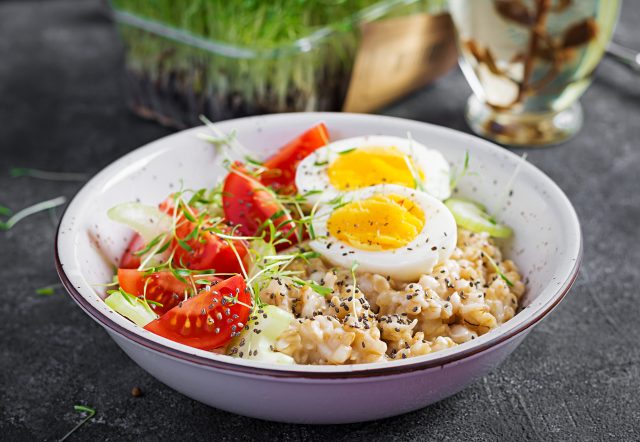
(387,229)
(355,163)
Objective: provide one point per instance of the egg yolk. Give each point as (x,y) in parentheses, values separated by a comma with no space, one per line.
(381,222)
(364,167)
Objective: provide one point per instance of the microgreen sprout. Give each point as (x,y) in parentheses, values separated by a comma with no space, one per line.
(497,269)
(227,144)
(31,210)
(252,161)
(48,290)
(110,284)
(319,289)
(417,182)
(346,151)
(47,175)
(90,412)
(131,299)
(5,211)
(354,267)
(456,177)
(508,189)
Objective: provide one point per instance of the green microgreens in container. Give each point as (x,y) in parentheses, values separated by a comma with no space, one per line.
(226,59)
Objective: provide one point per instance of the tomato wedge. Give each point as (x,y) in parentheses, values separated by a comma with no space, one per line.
(247,205)
(209,251)
(162,287)
(281,172)
(209,319)
(128,259)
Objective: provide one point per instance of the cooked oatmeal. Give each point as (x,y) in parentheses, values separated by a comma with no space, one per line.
(380,319)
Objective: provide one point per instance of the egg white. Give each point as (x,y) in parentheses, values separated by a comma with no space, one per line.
(312,172)
(433,245)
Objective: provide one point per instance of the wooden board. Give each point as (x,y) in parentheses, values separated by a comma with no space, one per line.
(397,56)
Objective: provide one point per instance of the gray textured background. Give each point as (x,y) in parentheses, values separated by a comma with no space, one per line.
(62,108)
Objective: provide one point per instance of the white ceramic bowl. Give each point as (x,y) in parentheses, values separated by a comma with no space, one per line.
(546,246)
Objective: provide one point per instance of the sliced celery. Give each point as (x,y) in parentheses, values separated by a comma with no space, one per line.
(271,322)
(148,221)
(472,216)
(138,312)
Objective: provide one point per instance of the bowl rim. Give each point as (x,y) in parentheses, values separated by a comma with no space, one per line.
(354,371)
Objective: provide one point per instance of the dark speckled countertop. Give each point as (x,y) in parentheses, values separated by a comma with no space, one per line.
(62,107)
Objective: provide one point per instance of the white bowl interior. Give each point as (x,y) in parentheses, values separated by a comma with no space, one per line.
(546,244)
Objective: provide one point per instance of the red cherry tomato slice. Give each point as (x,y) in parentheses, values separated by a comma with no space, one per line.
(128,259)
(247,205)
(162,287)
(209,251)
(281,172)
(209,319)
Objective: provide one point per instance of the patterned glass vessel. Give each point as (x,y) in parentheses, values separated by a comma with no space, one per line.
(528,62)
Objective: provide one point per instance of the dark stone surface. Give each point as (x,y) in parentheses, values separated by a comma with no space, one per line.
(62,108)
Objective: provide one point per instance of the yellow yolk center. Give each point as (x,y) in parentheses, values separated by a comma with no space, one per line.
(382,222)
(364,167)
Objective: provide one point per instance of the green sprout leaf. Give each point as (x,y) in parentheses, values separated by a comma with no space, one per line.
(456,177)
(319,289)
(31,210)
(90,412)
(497,269)
(253,161)
(46,175)
(48,290)
(354,267)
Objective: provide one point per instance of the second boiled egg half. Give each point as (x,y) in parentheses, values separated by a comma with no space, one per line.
(387,229)
(355,163)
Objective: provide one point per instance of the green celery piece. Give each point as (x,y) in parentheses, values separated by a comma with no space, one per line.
(271,327)
(138,312)
(474,217)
